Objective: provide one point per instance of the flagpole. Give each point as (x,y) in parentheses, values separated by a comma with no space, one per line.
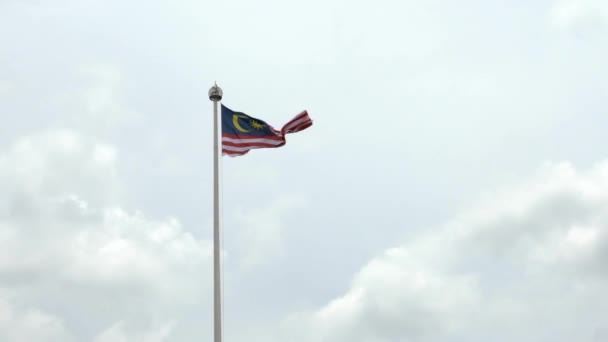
(215,95)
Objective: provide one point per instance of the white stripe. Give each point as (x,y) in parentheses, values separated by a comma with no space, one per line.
(299,127)
(294,121)
(297,122)
(232,154)
(244,148)
(236,149)
(253,140)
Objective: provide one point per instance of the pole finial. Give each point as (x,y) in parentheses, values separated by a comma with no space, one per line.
(215,93)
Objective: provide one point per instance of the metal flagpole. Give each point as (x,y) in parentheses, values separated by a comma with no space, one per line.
(215,95)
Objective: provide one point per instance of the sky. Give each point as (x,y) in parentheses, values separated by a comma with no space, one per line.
(453,186)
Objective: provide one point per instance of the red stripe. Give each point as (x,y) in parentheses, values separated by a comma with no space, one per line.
(300,127)
(256,144)
(245,137)
(246,148)
(237,153)
(298,117)
(302,117)
(304,125)
(252,141)
(292,121)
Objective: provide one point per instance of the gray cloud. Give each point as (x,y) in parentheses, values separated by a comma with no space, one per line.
(117,333)
(418,107)
(65,258)
(29,324)
(526,265)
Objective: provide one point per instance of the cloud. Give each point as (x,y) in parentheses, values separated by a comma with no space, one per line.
(117,333)
(527,264)
(70,251)
(30,325)
(59,163)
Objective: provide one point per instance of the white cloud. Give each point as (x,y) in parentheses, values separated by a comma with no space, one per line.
(528,265)
(30,325)
(60,163)
(117,333)
(66,256)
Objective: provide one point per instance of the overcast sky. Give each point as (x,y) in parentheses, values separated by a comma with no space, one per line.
(454,186)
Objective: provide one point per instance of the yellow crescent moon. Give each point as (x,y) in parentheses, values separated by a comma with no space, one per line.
(235,122)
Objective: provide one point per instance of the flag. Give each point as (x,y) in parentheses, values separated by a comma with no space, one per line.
(241,132)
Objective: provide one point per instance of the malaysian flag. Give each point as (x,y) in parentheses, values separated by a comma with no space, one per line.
(241,132)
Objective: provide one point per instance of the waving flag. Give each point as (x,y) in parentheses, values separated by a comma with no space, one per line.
(241,132)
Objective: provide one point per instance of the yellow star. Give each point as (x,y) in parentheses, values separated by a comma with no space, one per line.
(256,125)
